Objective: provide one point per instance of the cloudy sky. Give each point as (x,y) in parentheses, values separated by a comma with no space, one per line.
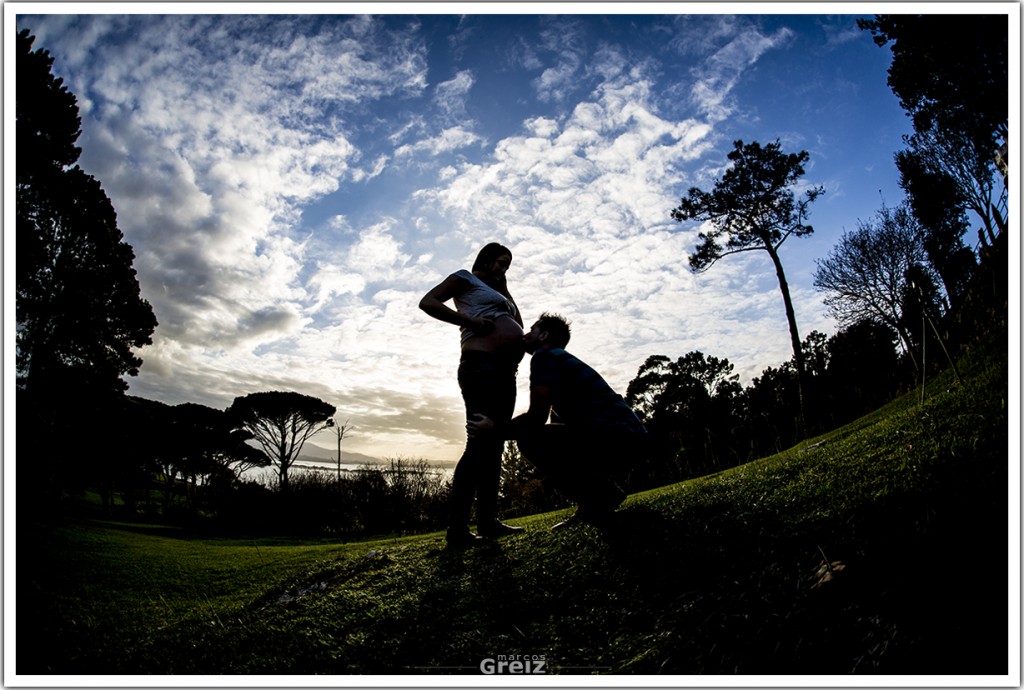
(293,184)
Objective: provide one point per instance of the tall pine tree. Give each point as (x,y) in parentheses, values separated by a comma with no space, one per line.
(79,308)
(79,311)
(753,207)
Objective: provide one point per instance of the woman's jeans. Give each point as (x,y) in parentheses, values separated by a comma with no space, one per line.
(488,384)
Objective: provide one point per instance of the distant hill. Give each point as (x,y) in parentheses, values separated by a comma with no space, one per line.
(316,454)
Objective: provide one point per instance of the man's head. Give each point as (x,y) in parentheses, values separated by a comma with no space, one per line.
(549,332)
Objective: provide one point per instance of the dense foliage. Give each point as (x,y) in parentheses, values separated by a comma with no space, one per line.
(949,71)
(401,497)
(79,312)
(950,74)
(702,420)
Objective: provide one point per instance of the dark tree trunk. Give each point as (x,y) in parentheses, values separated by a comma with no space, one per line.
(794,335)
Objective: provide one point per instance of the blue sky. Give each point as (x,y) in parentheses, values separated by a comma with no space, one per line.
(292,184)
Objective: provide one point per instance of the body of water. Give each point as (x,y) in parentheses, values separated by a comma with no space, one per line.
(266,475)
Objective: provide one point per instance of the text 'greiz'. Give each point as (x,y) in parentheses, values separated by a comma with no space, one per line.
(514,664)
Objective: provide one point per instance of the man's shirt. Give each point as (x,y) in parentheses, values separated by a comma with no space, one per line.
(579,395)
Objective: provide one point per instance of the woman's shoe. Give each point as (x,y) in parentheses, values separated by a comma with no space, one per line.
(461,537)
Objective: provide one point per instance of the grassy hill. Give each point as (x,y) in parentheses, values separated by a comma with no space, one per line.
(881,547)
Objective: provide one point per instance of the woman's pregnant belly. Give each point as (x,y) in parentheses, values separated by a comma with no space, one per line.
(506,338)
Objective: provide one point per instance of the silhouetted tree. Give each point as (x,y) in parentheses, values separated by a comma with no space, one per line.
(938,204)
(341,431)
(79,312)
(207,448)
(417,494)
(950,73)
(862,369)
(854,370)
(281,422)
(689,407)
(865,274)
(130,460)
(918,302)
(655,388)
(701,420)
(523,489)
(402,496)
(753,208)
(815,354)
(767,406)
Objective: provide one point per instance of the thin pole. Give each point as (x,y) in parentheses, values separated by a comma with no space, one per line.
(942,344)
(924,342)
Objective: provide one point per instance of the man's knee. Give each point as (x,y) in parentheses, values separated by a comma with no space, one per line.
(542,448)
(535,437)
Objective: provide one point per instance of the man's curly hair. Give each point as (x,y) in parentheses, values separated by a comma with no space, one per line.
(557,328)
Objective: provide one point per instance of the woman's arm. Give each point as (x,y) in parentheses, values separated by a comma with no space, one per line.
(433,303)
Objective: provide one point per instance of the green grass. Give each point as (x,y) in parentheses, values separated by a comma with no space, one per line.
(878,548)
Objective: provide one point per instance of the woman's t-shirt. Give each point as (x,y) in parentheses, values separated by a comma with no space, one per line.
(480,300)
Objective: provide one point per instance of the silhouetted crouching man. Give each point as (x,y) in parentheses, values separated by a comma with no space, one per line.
(592,427)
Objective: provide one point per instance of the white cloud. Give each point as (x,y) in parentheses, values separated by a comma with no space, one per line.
(209,133)
(564,38)
(605,170)
(840,31)
(697,35)
(720,72)
(332,281)
(450,95)
(376,253)
(451,139)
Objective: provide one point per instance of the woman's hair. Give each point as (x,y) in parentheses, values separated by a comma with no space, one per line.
(485,259)
(488,255)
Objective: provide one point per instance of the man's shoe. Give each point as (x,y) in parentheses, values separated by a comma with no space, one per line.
(574,519)
(497,529)
(598,517)
(461,538)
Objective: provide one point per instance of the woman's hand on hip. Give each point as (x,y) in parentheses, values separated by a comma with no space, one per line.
(482,326)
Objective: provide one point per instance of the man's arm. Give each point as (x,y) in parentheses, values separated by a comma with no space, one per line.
(536,416)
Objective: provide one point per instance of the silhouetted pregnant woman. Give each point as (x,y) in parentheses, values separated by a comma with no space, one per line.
(492,347)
